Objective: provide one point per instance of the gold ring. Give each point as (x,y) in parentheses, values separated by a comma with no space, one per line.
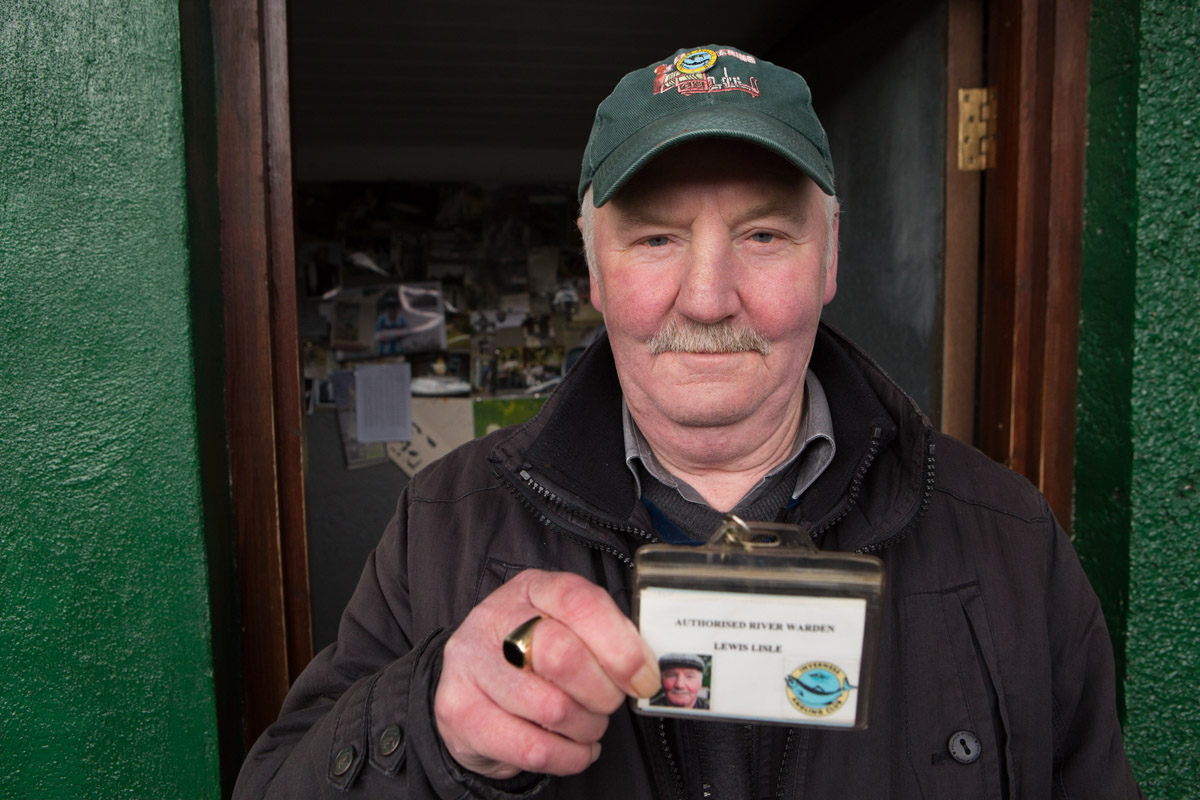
(518,645)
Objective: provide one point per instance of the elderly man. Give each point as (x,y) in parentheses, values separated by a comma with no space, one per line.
(487,651)
(682,679)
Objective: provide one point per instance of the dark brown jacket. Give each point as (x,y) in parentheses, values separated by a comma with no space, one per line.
(989,627)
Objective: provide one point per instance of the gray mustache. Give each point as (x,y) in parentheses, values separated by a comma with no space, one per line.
(689,336)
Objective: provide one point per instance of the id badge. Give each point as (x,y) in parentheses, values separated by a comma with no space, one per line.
(759,625)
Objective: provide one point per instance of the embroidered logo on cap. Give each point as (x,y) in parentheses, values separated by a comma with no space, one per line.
(818,688)
(696,61)
(686,74)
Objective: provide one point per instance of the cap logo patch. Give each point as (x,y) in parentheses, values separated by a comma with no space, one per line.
(696,61)
(686,74)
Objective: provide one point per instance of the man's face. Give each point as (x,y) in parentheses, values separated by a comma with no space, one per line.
(682,686)
(713,236)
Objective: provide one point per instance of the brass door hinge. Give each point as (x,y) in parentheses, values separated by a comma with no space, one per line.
(976,129)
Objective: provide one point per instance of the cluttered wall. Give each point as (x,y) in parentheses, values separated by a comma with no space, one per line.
(430,313)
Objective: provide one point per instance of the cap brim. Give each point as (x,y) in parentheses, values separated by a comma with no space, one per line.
(728,122)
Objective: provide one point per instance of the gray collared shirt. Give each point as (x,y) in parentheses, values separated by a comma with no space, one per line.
(813,443)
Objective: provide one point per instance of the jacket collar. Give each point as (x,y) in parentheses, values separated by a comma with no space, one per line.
(581,447)
(577,445)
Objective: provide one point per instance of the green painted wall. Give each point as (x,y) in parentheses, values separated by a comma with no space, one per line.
(106,671)
(1138,456)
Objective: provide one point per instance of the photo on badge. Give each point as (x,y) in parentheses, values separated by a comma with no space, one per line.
(686,681)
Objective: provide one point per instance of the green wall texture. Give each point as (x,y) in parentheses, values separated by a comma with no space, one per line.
(106,686)
(1137,518)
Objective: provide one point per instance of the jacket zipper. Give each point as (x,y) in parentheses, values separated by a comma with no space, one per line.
(856,482)
(553,499)
(926,497)
(856,489)
(787,748)
(676,775)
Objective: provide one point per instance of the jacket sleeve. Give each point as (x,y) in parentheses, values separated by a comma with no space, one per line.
(359,719)
(1089,754)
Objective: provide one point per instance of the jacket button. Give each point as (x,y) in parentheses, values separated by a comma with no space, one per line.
(390,739)
(964,747)
(343,760)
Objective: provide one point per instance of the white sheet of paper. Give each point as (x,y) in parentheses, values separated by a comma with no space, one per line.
(383,401)
(755,643)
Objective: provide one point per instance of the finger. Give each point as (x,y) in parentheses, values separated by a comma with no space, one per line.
(476,676)
(564,689)
(591,614)
(535,699)
(501,745)
(562,658)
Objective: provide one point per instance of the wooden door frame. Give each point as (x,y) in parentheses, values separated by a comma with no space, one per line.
(262,379)
(1029,300)
(1033,223)
(956,409)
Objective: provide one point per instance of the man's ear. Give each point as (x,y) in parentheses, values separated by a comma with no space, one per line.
(597,296)
(831,270)
(597,299)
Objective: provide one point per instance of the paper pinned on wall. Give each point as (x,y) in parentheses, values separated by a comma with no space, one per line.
(440,424)
(384,402)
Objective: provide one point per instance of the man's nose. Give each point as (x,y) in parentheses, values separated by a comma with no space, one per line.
(708,288)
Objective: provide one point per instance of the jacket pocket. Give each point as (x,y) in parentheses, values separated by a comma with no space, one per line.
(495,573)
(956,727)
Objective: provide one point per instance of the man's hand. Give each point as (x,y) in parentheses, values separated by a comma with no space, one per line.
(498,720)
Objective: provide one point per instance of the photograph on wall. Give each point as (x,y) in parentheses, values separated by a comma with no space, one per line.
(388,320)
(425,317)
(351,324)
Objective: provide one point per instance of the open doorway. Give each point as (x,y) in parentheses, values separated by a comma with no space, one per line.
(480,78)
(397,98)
(462,93)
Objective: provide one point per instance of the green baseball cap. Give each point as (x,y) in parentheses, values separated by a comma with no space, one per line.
(703,92)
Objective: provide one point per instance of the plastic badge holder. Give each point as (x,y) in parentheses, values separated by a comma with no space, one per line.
(759,625)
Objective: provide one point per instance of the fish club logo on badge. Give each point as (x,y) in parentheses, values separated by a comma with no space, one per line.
(818,688)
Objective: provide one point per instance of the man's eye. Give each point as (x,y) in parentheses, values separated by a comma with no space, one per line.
(657,241)
(763,237)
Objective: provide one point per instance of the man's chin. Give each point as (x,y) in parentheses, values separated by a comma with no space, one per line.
(693,412)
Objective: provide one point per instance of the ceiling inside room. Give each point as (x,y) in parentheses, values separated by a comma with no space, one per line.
(461,89)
